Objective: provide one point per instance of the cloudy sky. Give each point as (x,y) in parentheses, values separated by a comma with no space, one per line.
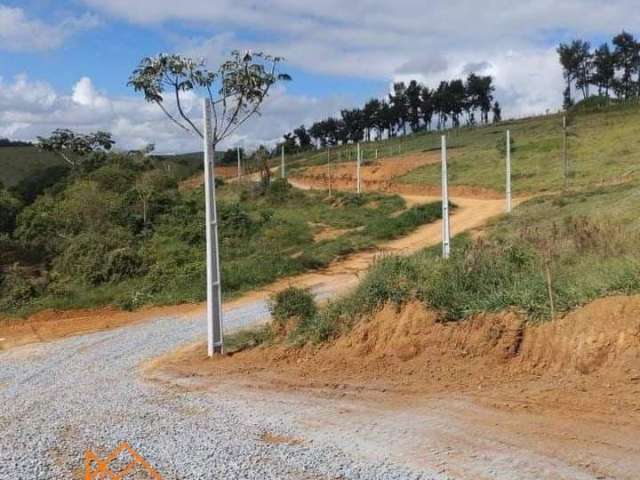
(65,63)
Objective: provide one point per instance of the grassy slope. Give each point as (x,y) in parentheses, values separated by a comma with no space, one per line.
(582,244)
(17,163)
(602,147)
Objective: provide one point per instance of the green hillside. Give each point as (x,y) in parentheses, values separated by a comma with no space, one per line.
(17,163)
(603,146)
(557,251)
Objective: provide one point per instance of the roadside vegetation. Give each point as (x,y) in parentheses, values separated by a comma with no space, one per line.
(553,254)
(118,230)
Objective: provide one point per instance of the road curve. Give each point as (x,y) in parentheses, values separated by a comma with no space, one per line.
(60,398)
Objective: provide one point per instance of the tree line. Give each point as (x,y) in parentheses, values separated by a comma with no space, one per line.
(612,68)
(411,107)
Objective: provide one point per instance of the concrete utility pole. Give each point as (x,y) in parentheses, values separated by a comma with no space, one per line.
(329,168)
(508,189)
(214,294)
(284,173)
(358,188)
(446,243)
(565,157)
(239,165)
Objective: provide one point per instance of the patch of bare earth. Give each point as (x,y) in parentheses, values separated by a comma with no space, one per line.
(490,397)
(382,176)
(49,325)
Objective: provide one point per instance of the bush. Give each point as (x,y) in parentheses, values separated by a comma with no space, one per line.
(97,258)
(9,208)
(279,190)
(293,303)
(39,182)
(16,289)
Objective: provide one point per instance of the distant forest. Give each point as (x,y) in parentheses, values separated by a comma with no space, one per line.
(5,142)
(612,70)
(409,108)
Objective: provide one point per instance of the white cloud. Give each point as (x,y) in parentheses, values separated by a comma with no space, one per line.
(84,93)
(29,109)
(368,39)
(382,40)
(20,34)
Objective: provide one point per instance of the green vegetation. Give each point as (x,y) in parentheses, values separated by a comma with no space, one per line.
(554,254)
(603,147)
(292,304)
(18,163)
(118,230)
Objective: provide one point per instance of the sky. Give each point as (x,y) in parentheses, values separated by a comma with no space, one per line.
(65,63)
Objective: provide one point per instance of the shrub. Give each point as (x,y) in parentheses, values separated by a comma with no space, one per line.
(293,303)
(97,258)
(16,289)
(40,181)
(279,190)
(9,208)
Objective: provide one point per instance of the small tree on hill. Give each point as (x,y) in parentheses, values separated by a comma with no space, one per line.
(74,147)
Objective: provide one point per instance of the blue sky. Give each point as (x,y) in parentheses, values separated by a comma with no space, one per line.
(66,63)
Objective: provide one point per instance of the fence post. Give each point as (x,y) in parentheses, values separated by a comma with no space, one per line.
(508,189)
(565,157)
(329,168)
(214,294)
(239,165)
(358,168)
(282,168)
(446,246)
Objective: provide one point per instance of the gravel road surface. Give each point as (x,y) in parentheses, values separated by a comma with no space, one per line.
(59,399)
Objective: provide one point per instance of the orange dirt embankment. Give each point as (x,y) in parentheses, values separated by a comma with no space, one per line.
(382,176)
(594,349)
(490,397)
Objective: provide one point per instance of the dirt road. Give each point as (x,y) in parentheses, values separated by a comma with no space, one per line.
(62,397)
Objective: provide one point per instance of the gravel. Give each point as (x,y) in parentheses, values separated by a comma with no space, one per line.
(61,398)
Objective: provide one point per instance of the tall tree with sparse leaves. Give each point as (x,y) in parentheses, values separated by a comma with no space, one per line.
(237,89)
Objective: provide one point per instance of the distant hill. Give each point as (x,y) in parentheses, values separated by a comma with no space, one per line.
(18,162)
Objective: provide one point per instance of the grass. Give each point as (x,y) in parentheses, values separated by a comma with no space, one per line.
(17,163)
(553,254)
(603,146)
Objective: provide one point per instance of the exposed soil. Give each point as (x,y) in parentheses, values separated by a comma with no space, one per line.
(556,400)
(49,325)
(382,176)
